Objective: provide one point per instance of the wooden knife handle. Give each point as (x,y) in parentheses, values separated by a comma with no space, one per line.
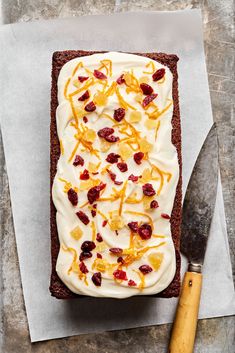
(185,323)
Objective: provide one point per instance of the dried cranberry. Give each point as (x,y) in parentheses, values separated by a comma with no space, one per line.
(131,283)
(82,78)
(85,255)
(147,100)
(118,182)
(96,279)
(99,237)
(112,138)
(133,178)
(120,260)
(120,79)
(145,269)
(85,119)
(90,107)
(120,274)
(133,226)
(122,167)
(104,223)
(165,215)
(158,74)
(88,245)
(84,175)
(78,160)
(83,267)
(148,189)
(119,114)
(116,251)
(73,197)
(154,204)
(94,193)
(145,231)
(112,158)
(83,217)
(138,156)
(84,96)
(93,211)
(146,89)
(98,74)
(112,175)
(98,255)
(113,178)
(106,131)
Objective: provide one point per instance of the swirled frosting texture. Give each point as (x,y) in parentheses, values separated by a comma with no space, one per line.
(143,129)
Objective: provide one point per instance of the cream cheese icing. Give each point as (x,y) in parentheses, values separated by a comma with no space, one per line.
(148,131)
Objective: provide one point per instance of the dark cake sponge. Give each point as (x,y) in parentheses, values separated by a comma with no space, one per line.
(57,288)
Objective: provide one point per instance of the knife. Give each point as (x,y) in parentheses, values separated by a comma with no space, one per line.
(198,209)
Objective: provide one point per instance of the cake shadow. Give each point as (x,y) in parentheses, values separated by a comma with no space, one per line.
(107,313)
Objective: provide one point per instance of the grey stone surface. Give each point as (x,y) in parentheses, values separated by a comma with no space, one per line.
(214,335)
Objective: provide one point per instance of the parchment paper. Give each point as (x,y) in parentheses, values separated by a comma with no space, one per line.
(26,51)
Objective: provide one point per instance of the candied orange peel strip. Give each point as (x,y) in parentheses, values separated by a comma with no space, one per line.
(74,263)
(134,254)
(67,185)
(107,64)
(61,147)
(93,228)
(142,279)
(122,101)
(66,88)
(152,68)
(156,113)
(111,90)
(87,84)
(78,66)
(141,214)
(74,151)
(131,82)
(161,173)
(122,193)
(157,128)
(133,199)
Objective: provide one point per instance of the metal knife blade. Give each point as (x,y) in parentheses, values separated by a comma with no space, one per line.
(199,203)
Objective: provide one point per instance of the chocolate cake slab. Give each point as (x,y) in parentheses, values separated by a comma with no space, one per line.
(57,287)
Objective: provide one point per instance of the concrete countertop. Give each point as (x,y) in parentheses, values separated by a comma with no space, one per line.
(214,335)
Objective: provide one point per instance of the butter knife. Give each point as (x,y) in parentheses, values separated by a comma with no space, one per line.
(198,209)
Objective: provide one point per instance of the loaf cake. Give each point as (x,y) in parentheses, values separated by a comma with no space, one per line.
(115,175)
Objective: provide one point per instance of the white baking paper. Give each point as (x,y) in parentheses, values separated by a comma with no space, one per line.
(26,51)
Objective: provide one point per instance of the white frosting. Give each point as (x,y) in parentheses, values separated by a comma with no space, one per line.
(163,155)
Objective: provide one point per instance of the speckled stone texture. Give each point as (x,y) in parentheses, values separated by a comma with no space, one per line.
(214,335)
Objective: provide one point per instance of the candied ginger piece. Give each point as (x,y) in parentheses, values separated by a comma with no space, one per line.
(89,135)
(145,146)
(92,167)
(156,259)
(100,98)
(125,151)
(76,233)
(147,202)
(150,124)
(116,221)
(105,145)
(146,175)
(135,116)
